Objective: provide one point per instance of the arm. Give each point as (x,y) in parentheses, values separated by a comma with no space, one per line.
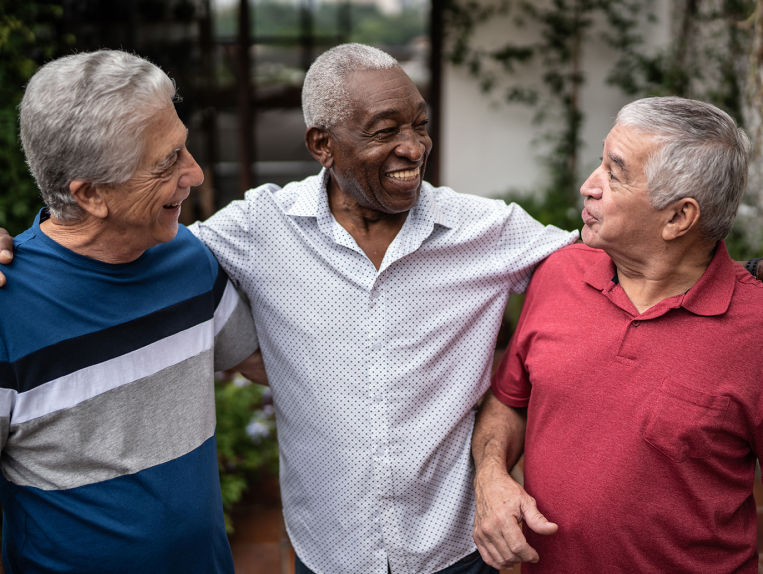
(754,266)
(501,503)
(253,368)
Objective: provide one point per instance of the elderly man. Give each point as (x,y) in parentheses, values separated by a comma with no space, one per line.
(377,299)
(634,375)
(113,322)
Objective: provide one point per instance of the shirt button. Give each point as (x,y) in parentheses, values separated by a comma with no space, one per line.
(636,323)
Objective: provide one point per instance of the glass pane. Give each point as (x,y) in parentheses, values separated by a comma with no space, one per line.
(273,19)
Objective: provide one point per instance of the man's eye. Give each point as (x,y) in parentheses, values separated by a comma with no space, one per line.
(169,163)
(385,132)
(611,175)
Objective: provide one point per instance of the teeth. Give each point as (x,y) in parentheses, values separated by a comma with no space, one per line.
(404,175)
(171,205)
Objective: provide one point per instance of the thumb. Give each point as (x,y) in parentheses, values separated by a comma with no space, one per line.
(538,523)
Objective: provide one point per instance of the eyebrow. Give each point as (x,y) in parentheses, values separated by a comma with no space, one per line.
(618,161)
(384,114)
(166,160)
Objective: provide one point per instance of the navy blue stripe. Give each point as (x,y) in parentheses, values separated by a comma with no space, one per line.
(7,376)
(73,354)
(220,283)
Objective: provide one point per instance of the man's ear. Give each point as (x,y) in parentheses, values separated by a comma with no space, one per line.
(683,216)
(318,142)
(89,197)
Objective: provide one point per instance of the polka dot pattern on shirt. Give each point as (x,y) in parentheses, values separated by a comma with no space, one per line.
(375,373)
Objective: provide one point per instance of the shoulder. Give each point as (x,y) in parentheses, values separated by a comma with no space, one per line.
(287,196)
(261,192)
(461,207)
(186,254)
(748,290)
(571,261)
(577,254)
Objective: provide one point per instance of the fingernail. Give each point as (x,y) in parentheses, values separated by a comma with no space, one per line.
(6,253)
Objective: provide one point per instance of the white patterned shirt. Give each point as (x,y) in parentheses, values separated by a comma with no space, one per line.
(376,373)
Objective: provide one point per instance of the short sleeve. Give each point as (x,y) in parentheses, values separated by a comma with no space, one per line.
(525,242)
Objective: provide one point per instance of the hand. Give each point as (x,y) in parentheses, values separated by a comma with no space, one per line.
(502,506)
(6,251)
(253,368)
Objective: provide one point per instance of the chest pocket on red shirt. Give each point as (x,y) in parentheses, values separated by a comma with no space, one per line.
(681,422)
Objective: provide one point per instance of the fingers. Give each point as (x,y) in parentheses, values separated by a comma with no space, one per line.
(502,507)
(537,522)
(6,246)
(505,546)
(6,251)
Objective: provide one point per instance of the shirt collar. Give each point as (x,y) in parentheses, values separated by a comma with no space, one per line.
(312,201)
(711,295)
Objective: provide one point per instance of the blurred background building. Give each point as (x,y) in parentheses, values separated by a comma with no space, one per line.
(521,94)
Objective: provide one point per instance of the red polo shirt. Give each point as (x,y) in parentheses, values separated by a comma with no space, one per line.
(642,429)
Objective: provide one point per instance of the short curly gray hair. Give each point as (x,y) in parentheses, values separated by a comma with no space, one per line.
(82,117)
(701,153)
(324,97)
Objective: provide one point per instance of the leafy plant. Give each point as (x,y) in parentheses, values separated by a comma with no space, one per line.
(246,438)
(27,39)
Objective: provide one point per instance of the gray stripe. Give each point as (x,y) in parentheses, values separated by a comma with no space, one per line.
(4,429)
(237,339)
(122,431)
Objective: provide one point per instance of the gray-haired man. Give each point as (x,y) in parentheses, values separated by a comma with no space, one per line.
(377,299)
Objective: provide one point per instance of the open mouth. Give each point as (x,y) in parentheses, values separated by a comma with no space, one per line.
(405,174)
(172,205)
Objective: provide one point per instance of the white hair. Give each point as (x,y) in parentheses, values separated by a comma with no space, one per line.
(82,117)
(324,96)
(702,154)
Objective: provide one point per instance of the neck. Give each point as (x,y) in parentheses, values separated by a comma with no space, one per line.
(373,230)
(90,237)
(658,276)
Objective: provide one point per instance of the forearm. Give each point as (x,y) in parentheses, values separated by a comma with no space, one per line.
(501,504)
(498,436)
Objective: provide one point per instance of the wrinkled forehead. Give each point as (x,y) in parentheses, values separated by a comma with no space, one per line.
(632,144)
(372,91)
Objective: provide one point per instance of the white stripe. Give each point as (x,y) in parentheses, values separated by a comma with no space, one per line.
(70,390)
(225,307)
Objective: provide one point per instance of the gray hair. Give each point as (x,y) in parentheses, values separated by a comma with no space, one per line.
(82,117)
(702,154)
(324,98)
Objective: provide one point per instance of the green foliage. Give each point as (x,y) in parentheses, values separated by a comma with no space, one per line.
(554,50)
(246,438)
(26,40)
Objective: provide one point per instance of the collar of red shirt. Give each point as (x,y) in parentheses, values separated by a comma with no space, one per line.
(711,295)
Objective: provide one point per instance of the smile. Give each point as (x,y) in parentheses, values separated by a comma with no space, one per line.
(404,174)
(172,205)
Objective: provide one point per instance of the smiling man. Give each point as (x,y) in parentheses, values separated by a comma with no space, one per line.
(114,320)
(377,298)
(633,379)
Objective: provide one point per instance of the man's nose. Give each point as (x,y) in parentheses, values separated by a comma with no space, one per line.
(411,145)
(193,175)
(593,186)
